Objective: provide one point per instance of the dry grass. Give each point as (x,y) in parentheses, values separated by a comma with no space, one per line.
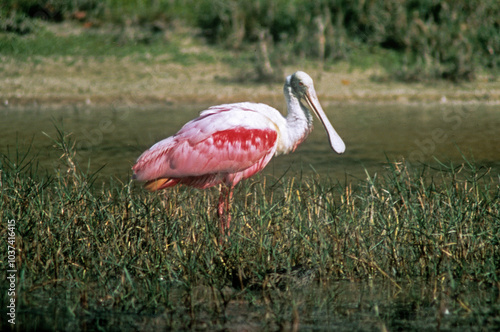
(428,238)
(125,81)
(186,69)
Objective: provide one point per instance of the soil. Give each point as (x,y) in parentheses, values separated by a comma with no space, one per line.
(73,80)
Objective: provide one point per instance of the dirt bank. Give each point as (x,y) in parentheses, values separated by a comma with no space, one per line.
(63,81)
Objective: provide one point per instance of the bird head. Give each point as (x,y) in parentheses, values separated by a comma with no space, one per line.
(301,83)
(303,88)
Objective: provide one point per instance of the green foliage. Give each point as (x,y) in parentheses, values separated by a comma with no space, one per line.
(16,23)
(50,10)
(114,11)
(435,39)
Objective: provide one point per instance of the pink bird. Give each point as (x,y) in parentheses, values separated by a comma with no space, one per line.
(232,142)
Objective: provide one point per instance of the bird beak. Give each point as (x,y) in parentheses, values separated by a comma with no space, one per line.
(335,141)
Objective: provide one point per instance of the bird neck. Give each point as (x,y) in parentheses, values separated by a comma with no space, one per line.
(298,120)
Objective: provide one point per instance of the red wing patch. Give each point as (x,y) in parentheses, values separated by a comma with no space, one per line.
(259,139)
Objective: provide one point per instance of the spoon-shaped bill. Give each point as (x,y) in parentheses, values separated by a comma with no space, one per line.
(335,141)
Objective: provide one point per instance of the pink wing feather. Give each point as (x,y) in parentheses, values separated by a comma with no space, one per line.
(225,144)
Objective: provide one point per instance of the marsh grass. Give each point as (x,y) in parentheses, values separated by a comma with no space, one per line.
(115,256)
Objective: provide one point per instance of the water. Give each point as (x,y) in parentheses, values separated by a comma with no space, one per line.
(341,305)
(113,138)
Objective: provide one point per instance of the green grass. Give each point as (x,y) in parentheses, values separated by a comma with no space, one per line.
(429,40)
(89,253)
(139,43)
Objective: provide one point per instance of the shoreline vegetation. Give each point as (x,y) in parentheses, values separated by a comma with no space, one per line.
(74,80)
(139,52)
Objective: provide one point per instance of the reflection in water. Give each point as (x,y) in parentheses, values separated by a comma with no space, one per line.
(339,305)
(115,137)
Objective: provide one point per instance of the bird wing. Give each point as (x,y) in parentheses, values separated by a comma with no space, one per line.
(226,139)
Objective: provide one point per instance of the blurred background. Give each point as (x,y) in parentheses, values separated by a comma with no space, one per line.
(414,40)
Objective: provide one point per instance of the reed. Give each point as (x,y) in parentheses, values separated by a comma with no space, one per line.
(87,250)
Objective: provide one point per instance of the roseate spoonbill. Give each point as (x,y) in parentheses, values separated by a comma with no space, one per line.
(232,142)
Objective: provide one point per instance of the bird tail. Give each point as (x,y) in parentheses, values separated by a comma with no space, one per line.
(160,183)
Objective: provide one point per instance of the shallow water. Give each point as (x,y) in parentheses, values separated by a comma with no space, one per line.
(339,305)
(114,137)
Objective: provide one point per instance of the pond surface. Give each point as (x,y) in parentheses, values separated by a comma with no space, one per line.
(115,137)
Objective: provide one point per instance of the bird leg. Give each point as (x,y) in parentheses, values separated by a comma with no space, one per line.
(223,211)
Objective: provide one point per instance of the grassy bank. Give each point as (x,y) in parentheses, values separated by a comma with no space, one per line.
(61,64)
(185,69)
(423,40)
(88,254)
